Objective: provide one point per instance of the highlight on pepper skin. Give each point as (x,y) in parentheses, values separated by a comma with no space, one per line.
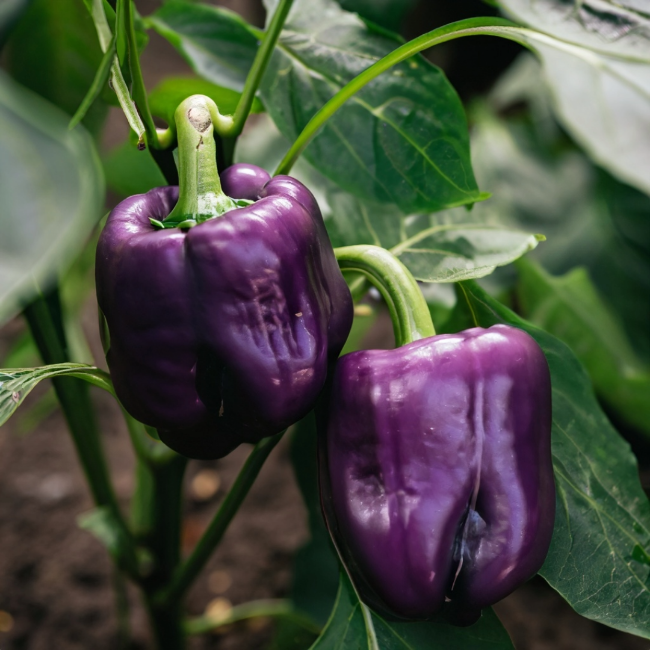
(438,482)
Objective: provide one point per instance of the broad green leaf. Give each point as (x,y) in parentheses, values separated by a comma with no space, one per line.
(443,247)
(217,43)
(130,171)
(52,192)
(17,383)
(599,560)
(616,27)
(387,13)
(402,139)
(596,59)
(168,94)
(54,51)
(570,308)
(352,626)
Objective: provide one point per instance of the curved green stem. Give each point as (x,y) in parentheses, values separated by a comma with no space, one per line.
(125,11)
(187,572)
(200,194)
(459,29)
(279,608)
(258,68)
(407,307)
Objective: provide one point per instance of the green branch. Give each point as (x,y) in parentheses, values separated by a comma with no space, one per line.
(258,68)
(469,27)
(187,572)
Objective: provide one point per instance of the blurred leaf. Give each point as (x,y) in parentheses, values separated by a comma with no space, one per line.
(10,11)
(54,51)
(570,308)
(167,95)
(387,13)
(541,183)
(104,525)
(443,247)
(217,43)
(596,58)
(52,191)
(17,383)
(620,27)
(402,139)
(129,171)
(599,560)
(353,626)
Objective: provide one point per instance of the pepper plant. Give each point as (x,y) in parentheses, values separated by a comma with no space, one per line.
(225,302)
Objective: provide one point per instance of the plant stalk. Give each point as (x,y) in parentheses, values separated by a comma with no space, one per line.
(408,310)
(189,570)
(258,68)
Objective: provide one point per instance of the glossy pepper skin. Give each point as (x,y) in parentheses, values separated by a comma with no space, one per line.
(437,484)
(221,334)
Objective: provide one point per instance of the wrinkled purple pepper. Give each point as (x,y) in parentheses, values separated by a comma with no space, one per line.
(437,482)
(221,334)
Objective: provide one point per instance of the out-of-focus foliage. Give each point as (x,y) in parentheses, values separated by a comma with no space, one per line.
(52,192)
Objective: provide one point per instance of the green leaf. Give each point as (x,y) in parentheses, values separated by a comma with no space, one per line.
(52,192)
(388,13)
(217,43)
(402,139)
(130,171)
(620,27)
(570,308)
(167,95)
(599,559)
(596,58)
(17,383)
(443,247)
(54,51)
(352,626)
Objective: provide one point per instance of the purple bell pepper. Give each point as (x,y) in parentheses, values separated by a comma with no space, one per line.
(221,334)
(436,477)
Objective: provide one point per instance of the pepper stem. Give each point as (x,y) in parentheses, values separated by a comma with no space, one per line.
(200,195)
(406,304)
